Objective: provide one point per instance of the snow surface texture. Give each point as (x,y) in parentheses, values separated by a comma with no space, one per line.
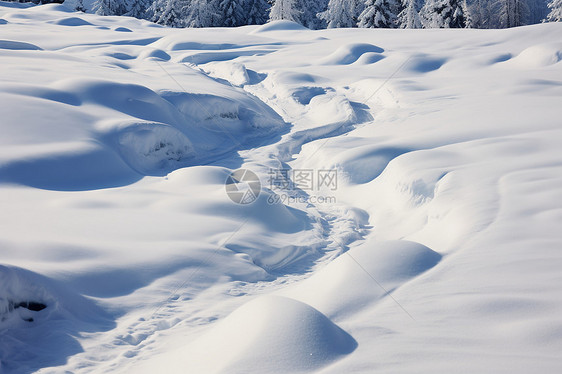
(123,253)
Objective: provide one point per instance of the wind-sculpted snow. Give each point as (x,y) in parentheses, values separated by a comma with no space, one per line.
(433,248)
(538,56)
(340,289)
(18,46)
(40,319)
(279,335)
(350,53)
(282,25)
(157,131)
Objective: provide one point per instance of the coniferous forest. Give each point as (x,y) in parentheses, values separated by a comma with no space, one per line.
(318,14)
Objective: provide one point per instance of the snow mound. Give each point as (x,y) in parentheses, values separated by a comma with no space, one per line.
(538,56)
(350,53)
(271,334)
(191,45)
(18,292)
(154,53)
(424,63)
(364,275)
(75,167)
(369,58)
(131,99)
(153,148)
(20,46)
(120,56)
(363,164)
(281,25)
(39,318)
(303,95)
(232,72)
(72,21)
(42,92)
(131,131)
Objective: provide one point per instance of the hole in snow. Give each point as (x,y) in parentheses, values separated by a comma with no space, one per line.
(31,305)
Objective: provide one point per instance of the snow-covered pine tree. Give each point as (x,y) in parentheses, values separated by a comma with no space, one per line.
(513,13)
(340,13)
(109,7)
(555,14)
(458,21)
(257,12)
(201,13)
(137,8)
(538,10)
(173,13)
(359,8)
(378,14)
(409,17)
(468,21)
(482,15)
(443,14)
(154,10)
(79,6)
(285,9)
(310,10)
(232,13)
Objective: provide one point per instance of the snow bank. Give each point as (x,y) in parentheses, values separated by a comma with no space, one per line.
(364,275)
(348,54)
(281,25)
(270,334)
(538,56)
(40,319)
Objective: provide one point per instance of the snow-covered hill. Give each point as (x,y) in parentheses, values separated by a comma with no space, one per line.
(433,246)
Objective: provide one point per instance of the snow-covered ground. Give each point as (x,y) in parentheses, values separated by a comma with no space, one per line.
(439,249)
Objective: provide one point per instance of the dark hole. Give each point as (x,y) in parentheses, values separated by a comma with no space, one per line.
(31,305)
(28,319)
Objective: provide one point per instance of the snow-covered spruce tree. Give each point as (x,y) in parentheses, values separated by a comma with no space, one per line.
(257,12)
(409,17)
(468,21)
(110,7)
(172,13)
(310,10)
(378,14)
(341,13)
(443,14)
(232,12)
(480,14)
(538,10)
(201,13)
(79,6)
(285,9)
(513,13)
(154,10)
(137,8)
(555,14)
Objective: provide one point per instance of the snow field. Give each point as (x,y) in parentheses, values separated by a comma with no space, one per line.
(117,139)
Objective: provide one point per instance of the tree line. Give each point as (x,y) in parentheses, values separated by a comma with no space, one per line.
(318,14)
